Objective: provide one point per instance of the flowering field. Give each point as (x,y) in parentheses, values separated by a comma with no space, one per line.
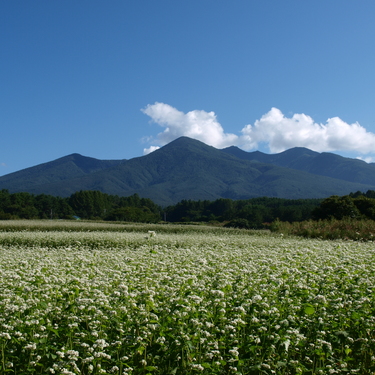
(85,299)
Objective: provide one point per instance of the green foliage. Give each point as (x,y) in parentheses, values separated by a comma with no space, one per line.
(238,223)
(336,207)
(85,204)
(355,206)
(88,204)
(256,211)
(133,214)
(347,217)
(347,228)
(101,298)
(366,206)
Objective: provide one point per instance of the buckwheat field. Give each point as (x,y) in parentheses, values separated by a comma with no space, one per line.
(85,298)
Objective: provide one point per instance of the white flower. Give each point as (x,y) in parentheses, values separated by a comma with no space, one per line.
(31,346)
(234,352)
(286,344)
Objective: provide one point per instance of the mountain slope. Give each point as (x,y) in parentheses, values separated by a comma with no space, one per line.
(188,169)
(57,171)
(323,164)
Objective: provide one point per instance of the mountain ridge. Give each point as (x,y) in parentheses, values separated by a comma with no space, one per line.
(323,164)
(189,169)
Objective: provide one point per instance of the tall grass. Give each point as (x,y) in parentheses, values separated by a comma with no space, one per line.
(348,229)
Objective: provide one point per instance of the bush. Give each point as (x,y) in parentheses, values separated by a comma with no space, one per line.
(238,223)
(349,229)
(7,216)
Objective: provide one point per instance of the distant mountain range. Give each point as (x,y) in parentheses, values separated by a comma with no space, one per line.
(189,169)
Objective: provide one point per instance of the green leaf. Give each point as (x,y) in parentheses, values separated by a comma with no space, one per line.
(281,364)
(356,315)
(141,349)
(309,310)
(55,331)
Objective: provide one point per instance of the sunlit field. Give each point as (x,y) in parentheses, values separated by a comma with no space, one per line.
(91,298)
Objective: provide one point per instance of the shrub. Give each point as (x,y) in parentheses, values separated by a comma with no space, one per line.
(238,223)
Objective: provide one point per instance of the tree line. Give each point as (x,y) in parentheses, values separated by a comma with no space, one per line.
(250,213)
(86,204)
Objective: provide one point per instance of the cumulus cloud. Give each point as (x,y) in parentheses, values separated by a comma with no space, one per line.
(274,129)
(150,149)
(281,133)
(368,159)
(195,124)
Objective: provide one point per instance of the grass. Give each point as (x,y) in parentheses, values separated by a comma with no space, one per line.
(184,301)
(348,229)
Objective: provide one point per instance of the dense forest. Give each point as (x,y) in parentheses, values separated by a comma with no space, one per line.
(250,213)
(83,204)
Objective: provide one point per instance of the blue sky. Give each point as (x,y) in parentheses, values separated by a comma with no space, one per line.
(115,80)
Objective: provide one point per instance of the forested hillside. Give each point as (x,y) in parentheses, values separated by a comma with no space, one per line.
(189,169)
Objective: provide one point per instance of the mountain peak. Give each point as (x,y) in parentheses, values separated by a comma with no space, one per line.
(186,141)
(190,169)
(184,146)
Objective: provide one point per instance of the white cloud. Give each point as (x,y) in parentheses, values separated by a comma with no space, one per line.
(195,124)
(150,149)
(3,164)
(300,130)
(369,159)
(274,129)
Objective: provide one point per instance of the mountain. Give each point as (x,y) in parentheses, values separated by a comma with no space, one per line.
(189,169)
(322,164)
(57,171)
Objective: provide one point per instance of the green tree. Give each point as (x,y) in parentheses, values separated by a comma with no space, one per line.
(253,214)
(223,209)
(22,205)
(90,204)
(4,200)
(336,207)
(366,206)
(133,214)
(238,223)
